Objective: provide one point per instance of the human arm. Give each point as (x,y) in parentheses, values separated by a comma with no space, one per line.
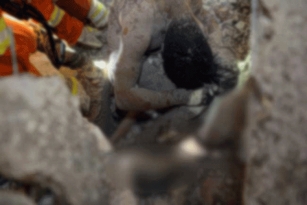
(134,41)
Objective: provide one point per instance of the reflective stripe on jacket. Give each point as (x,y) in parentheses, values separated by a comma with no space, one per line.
(25,44)
(66,27)
(98,13)
(56,16)
(4,35)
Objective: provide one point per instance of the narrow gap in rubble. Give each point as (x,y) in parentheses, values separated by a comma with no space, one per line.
(41,195)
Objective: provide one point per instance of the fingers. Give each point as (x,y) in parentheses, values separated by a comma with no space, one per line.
(204,95)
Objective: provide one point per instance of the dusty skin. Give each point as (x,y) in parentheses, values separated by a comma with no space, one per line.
(139,26)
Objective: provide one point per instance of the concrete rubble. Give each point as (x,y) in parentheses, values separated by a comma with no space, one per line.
(45,140)
(277,142)
(10,198)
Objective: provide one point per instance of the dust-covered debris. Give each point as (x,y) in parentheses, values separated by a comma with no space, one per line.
(48,142)
(69,160)
(14,198)
(277,167)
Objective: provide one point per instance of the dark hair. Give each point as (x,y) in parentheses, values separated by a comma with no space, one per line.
(187,57)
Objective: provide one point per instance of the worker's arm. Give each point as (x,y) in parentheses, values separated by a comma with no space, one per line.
(135,35)
(25,44)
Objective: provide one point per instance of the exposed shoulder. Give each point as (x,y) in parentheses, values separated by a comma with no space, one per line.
(130,17)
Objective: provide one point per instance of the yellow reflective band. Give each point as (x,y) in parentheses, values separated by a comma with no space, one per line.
(4,37)
(2,24)
(90,29)
(92,9)
(100,7)
(74,86)
(98,13)
(4,45)
(102,18)
(56,16)
(4,34)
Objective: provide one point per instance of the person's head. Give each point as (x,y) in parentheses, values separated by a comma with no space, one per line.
(187,56)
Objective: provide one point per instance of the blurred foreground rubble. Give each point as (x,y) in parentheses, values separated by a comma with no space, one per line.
(277,141)
(10,198)
(48,142)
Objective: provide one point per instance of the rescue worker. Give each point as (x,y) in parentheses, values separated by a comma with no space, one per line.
(87,85)
(67,27)
(25,45)
(69,17)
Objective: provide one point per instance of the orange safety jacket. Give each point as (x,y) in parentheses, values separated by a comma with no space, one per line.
(67,16)
(25,45)
(66,26)
(93,10)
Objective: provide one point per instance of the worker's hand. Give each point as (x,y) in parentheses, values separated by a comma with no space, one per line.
(204,95)
(89,38)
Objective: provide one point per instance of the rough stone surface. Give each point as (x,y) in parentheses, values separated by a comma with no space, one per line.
(10,198)
(277,165)
(227,26)
(45,140)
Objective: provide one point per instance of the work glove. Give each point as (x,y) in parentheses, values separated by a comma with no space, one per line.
(89,38)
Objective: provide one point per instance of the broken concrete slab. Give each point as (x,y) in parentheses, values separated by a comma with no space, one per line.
(277,168)
(45,140)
